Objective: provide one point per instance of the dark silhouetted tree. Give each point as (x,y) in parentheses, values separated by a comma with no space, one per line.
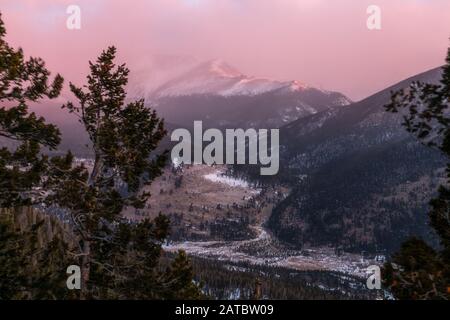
(29,268)
(418,271)
(119,259)
(21,82)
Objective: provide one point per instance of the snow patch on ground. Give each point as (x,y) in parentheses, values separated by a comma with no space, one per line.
(219,177)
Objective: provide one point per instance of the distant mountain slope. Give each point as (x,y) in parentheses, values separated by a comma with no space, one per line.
(360,180)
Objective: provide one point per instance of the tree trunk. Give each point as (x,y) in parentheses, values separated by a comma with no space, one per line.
(95,170)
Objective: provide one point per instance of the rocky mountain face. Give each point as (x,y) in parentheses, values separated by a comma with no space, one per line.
(360,181)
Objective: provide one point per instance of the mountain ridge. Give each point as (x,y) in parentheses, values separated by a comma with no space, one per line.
(360,181)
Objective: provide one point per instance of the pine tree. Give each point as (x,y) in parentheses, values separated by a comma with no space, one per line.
(33,256)
(119,259)
(28,268)
(21,82)
(418,271)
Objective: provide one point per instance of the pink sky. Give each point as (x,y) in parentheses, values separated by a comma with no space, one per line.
(324,43)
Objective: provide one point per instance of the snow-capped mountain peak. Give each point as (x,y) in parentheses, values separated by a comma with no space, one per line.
(221,95)
(214,77)
(219,78)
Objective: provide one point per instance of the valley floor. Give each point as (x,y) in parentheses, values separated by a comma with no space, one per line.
(267,251)
(218,217)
